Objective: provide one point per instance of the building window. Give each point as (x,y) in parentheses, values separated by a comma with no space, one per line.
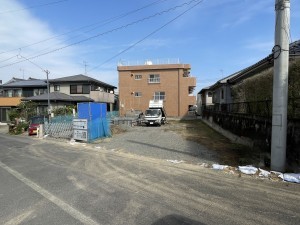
(35,92)
(39,91)
(159,95)
(138,77)
(80,89)
(186,73)
(154,78)
(209,94)
(222,94)
(56,87)
(8,93)
(138,94)
(17,93)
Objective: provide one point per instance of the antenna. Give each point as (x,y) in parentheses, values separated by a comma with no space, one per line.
(85,66)
(23,72)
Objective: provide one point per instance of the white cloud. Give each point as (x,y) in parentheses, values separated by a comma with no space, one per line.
(22,29)
(244,11)
(264,46)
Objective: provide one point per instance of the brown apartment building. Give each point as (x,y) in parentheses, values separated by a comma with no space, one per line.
(171,83)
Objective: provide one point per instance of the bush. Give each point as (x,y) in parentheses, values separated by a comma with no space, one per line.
(13,114)
(68,110)
(260,86)
(19,129)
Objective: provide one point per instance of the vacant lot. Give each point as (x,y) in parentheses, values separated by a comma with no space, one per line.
(189,140)
(228,152)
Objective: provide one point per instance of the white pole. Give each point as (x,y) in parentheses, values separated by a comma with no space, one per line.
(280,85)
(48,93)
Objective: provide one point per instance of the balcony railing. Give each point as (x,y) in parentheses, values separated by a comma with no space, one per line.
(148,62)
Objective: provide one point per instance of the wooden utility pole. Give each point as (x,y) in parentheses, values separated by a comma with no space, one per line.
(280,85)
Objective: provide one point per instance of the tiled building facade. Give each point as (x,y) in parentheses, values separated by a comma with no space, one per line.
(169,82)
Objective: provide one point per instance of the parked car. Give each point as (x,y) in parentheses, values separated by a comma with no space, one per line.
(35,122)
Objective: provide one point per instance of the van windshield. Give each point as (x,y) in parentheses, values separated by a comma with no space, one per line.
(152,112)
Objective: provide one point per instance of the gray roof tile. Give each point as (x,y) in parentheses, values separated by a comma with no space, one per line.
(57,96)
(80,78)
(26,83)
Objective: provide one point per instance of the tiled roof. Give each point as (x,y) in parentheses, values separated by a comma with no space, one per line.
(294,51)
(26,83)
(57,96)
(9,101)
(80,78)
(204,89)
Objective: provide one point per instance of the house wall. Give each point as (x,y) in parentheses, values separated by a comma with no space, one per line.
(208,99)
(219,98)
(97,96)
(64,88)
(172,82)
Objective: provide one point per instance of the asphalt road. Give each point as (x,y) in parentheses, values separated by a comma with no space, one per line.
(48,182)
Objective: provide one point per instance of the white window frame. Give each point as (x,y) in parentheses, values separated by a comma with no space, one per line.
(159,95)
(154,79)
(138,76)
(138,94)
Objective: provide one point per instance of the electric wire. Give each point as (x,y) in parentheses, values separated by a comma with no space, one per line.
(107,32)
(127,25)
(102,23)
(31,62)
(105,22)
(8,59)
(147,36)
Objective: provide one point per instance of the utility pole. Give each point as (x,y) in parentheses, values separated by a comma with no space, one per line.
(48,93)
(280,85)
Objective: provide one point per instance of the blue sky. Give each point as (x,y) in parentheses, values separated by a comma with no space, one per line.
(69,37)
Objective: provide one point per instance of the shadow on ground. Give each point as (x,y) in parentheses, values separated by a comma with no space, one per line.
(176,220)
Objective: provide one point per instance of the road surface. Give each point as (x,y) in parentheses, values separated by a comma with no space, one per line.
(48,182)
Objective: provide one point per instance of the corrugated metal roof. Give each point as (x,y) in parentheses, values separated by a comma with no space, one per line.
(9,101)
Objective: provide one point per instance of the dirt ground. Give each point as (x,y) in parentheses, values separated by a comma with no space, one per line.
(195,130)
(228,152)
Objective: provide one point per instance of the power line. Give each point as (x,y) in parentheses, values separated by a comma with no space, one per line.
(26,59)
(150,34)
(102,23)
(34,6)
(110,31)
(8,59)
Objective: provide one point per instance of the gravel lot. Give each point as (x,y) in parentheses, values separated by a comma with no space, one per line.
(158,142)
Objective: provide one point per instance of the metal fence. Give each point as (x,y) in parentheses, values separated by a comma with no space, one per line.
(254,120)
(60,127)
(261,109)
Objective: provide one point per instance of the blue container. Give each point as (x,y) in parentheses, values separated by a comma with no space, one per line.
(90,110)
(95,113)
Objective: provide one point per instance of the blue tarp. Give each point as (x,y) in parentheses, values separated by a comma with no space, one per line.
(95,113)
